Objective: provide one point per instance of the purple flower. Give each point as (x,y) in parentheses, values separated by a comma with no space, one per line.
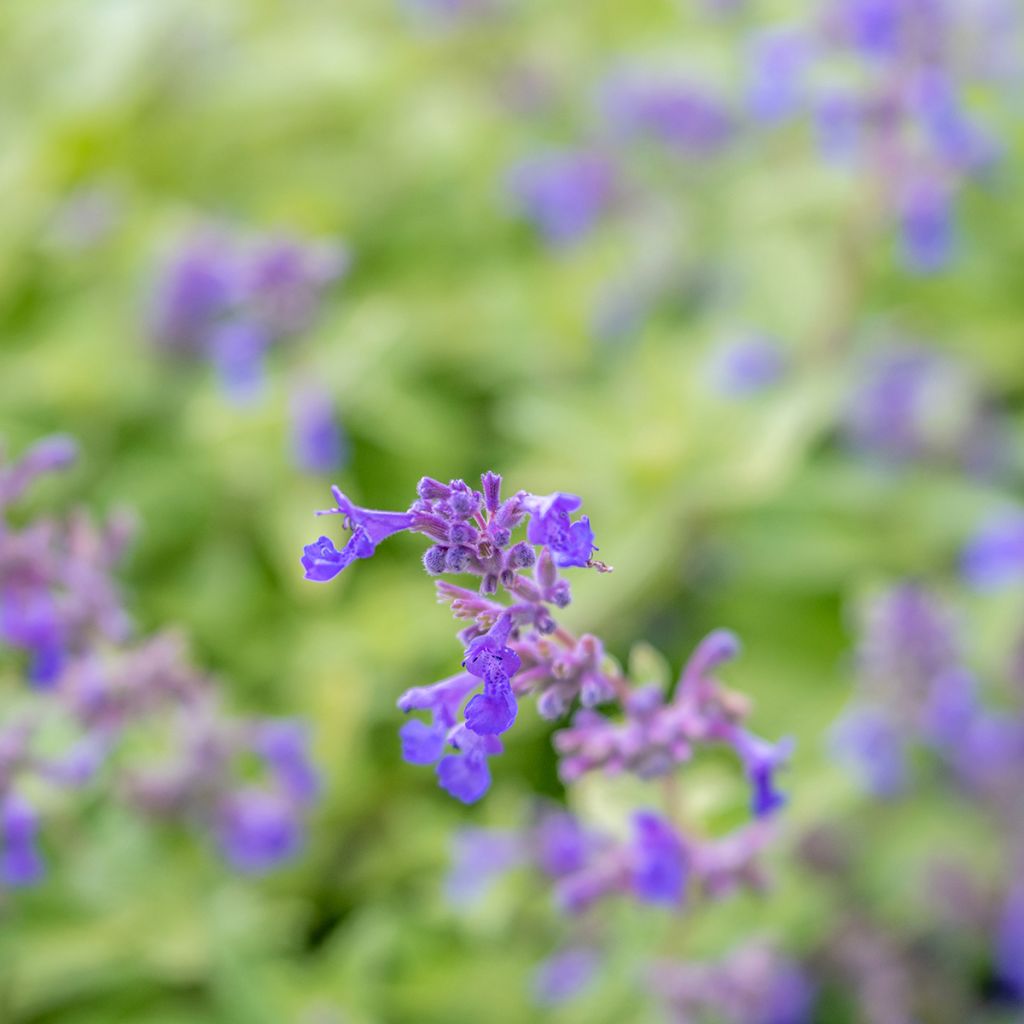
(318,440)
(871,744)
(489,658)
(29,619)
(927,227)
(465,774)
(237,349)
(20,862)
(479,855)
(761,760)
(838,126)
(747,366)
(679,114)
(571,544)
(195,290)
(257,830)
(658,867)
(1009,951)
(994,556)
(563,193)
(777,69)
(565,975)
(284,746)
(322,561)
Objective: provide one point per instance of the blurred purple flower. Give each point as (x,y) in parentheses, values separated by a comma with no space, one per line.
(927,227)
(319,444)
(658,866)
(20,862)
(776,73)
(564,975)
(563,193)
(747,366)
(257,830)
(994,556)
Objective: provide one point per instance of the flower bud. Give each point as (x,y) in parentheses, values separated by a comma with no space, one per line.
(435,559)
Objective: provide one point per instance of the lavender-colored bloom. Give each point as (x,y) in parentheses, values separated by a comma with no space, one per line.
(571,544)
(421,743)
(994,556)
(322,561)
(318,441)
(658,861)
(30,619)
(51,454)
(257,830)
(777,69)
(466,774)
(564,975)
(949,709)
(489,658)
(681,115)
(1009,946)
(564,193)
(283,279)
(20,862)
(867,740)
(928,236)
(195,290)
(761,760)
(237,349)
(561,845)
(479,856)
(747,366)
(284,746)
(838,126)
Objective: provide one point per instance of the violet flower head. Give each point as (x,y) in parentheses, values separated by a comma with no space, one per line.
(571,543)
(994,556)
(489,658)
(684,117)
(318,441)
(466,774)
(658,861)
(237,349)
(479,857)
(777,69)
(322,561)
(284,746)
(20,861)
(564,194)
(564,975)
(875,749)
(747,366)
(761,760)
(258,830)
(927,227)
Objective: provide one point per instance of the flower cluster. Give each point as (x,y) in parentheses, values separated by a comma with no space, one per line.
(102,699)
(230,300)
(921,704)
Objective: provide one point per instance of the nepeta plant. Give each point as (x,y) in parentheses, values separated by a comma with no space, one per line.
(513,647)
(101,700)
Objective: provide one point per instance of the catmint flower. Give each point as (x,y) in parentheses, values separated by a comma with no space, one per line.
(20,862)
(322,561)
(489,658)
(658,867)
(777,68)
(237,349)
(564,194)
(466,774)
(866,739)
(284,746)
(761,760)
(927,227)
(571,544)
(257,830)
(564,975)
(479,856)
(747,366)
(682,115)
(994,556)
(318,441)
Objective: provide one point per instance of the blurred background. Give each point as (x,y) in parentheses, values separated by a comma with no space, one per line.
(747,276)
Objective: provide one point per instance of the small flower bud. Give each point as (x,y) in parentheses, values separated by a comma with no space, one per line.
(521,556)
(507,578)
(489,585)
(560,595)
(464,504)
(491,483)
(458,559)
(462,533)
(430,489)
(553,703)
(435,559)
(511,513)
(544,622)
(595,690)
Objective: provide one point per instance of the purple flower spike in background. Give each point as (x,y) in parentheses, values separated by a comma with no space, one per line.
(564,975)
(564,194)
(747,366)
(20,862)
(659,860)
(994,556)
(927,228)
(318,440)
(778,64)
(257,830)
